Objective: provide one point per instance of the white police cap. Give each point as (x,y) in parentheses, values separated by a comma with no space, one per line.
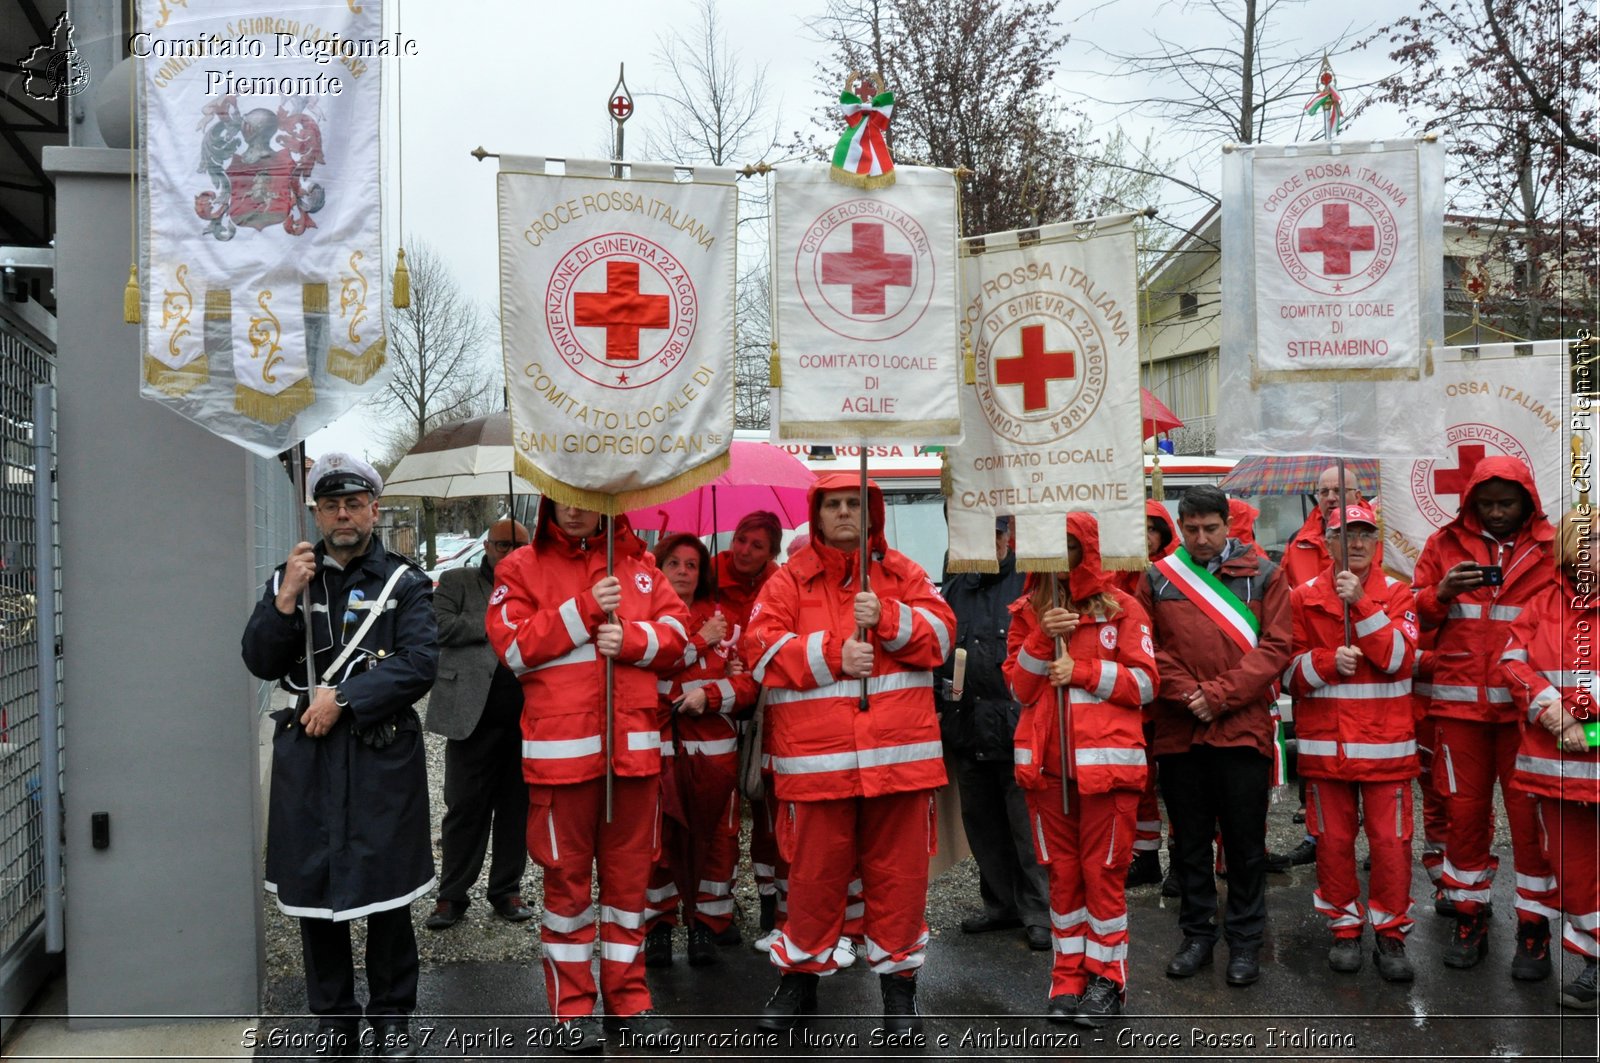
(344,474)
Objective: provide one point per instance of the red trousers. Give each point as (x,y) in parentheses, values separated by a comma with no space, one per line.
(568,837)
(703,848)
(1570,832)
(1332,817)
(1147,830)
(1435,817)
(771,869)
(1474,755)
(889,839)
(1086,852)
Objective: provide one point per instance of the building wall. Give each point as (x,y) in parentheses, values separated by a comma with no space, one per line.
(158,577)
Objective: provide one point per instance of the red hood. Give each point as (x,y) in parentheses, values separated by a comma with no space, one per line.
(1242,524)
(1088,578)
(547,533)
(1503,468)
(847,481)
(1155,509)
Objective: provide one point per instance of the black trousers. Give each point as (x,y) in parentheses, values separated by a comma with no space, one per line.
(486,800)
(1205,788)
(391,966)
(994,813)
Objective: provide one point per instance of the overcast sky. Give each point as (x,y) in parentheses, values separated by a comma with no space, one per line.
(533,78)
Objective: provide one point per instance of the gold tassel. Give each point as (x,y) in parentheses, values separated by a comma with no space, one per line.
(130,297)
(401,288)
(947,485)
(969,363)
(774,369)
(1158,489)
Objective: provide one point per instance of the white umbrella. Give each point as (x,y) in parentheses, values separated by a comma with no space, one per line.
(460,460)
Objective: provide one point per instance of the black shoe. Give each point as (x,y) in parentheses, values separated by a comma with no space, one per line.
(1193,955)
(1145,869)
(658,946)
(1244,965)
(984,922)
(769,912)
(1101,1003)
(796,996)
(900,1014)
(446,914)
(1169,885)
(511,908)
(391,1039)
(1063,1008)
(1442,904)
(1304,853)
(1299,816)
(1366,863)
(1581,992)
(1390,956)
(702,946)
(728,935)
(648,1025)
(1278,863)
(1532,960)
(1471,940)
(583,1033)
(335,1040)
(1039,938)
(1345,955)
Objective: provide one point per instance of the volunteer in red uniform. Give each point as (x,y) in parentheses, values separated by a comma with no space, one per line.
(1108,672)
(700,700)
(1358,746)
(1161,538)
(548,621)
(855,788)
(1502,524)
(1550,665)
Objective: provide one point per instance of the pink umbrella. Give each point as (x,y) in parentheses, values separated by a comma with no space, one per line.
(759,476)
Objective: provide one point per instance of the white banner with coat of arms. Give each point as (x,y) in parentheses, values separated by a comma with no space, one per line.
(865,307)
(1499,404)
(262,266)
(617,317)
(1053,422)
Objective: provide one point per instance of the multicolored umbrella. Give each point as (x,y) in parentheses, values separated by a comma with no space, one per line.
(1295,475)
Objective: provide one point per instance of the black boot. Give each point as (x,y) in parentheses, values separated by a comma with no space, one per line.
(391,1038)
(1471,940)
(900,1014)
(769,912)
(1532,960)
(658,946)
(1145,869)
(702,945)
(1583,990)
(796,996)
(335,1040)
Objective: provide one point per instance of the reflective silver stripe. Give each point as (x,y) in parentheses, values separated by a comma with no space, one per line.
(571,747)
(563,952)
(1044,850)
(664,686)
(567,924)
(1587,770)
(639,741)
(1515,655)
(652,644)
(1585,943)
(725,688)
(573,619)
(715,889)
(1443,692)
(1372,623)
(1317,748)
(1069,946)
(1379,917)
(1094,950)
(1141,679)
(1562,679)
(1541,701)
(661,893)
(1505,613)
(1029,663)
(1115,925)
(759,672)
(576,655)
(673,623)
(1467,878)
(513,651)
(617,952)
(1021,755)
(1536,883)
(879,757)
(1108,679)
(1379,750)
(667,750)
(817,659)
(621,917)
(708,749)
(850,688)
(1421,688)
(1108,756)
(715,907)
(1312,677)
(1069,920)
(1499,696)
(1397,655)
(902,633)
(1588,921)
(1460,611)
(1364,691)
(940,632)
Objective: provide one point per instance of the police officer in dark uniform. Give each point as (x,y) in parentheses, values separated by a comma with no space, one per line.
(347,823)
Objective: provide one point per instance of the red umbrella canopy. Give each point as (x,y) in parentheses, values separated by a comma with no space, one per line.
(759,476)
(1155,414)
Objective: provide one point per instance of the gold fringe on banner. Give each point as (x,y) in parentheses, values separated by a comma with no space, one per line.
(175,382)
(897,430)
(1427,362)
(972,565)
(401,287)
(856,180)
(273,409)
(314,297)
(774,369)
(1124,564)
(1319,376)
(357,368)
(1043,564)
(131,298)
(567,495)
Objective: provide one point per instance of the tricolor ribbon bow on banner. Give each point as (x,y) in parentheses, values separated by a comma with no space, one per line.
(862,155)
(1327,100)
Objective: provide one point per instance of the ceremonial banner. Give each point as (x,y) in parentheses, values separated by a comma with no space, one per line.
(617,314)
(1497,405)
(1053,423)
(262,266)
(1332,281)
(865,317)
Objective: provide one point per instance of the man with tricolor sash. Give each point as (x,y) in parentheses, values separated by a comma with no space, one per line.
(1222,638)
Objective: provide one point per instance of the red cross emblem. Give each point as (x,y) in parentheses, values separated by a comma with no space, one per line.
(1454,481)
(867,269)
(1336,238)
(1035,368)
(621,107)
(622,310)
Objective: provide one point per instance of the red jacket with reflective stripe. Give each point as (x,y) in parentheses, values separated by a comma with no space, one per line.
(1113,677)
(705,666)
(1549,656)
(541,622)
(1359,728)
(735,594)
(1468,682)
(821,744)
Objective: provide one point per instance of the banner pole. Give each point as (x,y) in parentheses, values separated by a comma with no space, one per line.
(305,592)
(1344,549)
(611,715)
(863,550)
(1061,702)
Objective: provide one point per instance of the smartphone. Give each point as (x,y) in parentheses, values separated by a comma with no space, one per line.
(1493,575)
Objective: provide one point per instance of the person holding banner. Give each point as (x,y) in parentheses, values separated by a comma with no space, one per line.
(1106,671)
(1358,746)
(1221,619)
(855,747)
(347,823)
(555,613)
(1474,578)
(1550,667)
(700,736)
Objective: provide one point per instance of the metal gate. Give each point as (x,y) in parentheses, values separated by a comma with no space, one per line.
(24,362)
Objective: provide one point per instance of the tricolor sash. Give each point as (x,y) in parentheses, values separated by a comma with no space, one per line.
(1213,597)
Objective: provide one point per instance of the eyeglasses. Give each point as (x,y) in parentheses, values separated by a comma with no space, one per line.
(351,504)
(1360,536)
(507,544)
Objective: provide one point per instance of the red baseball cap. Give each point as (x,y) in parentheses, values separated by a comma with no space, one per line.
(1356,513)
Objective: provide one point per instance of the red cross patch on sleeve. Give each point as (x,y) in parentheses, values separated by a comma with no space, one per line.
(499,594)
